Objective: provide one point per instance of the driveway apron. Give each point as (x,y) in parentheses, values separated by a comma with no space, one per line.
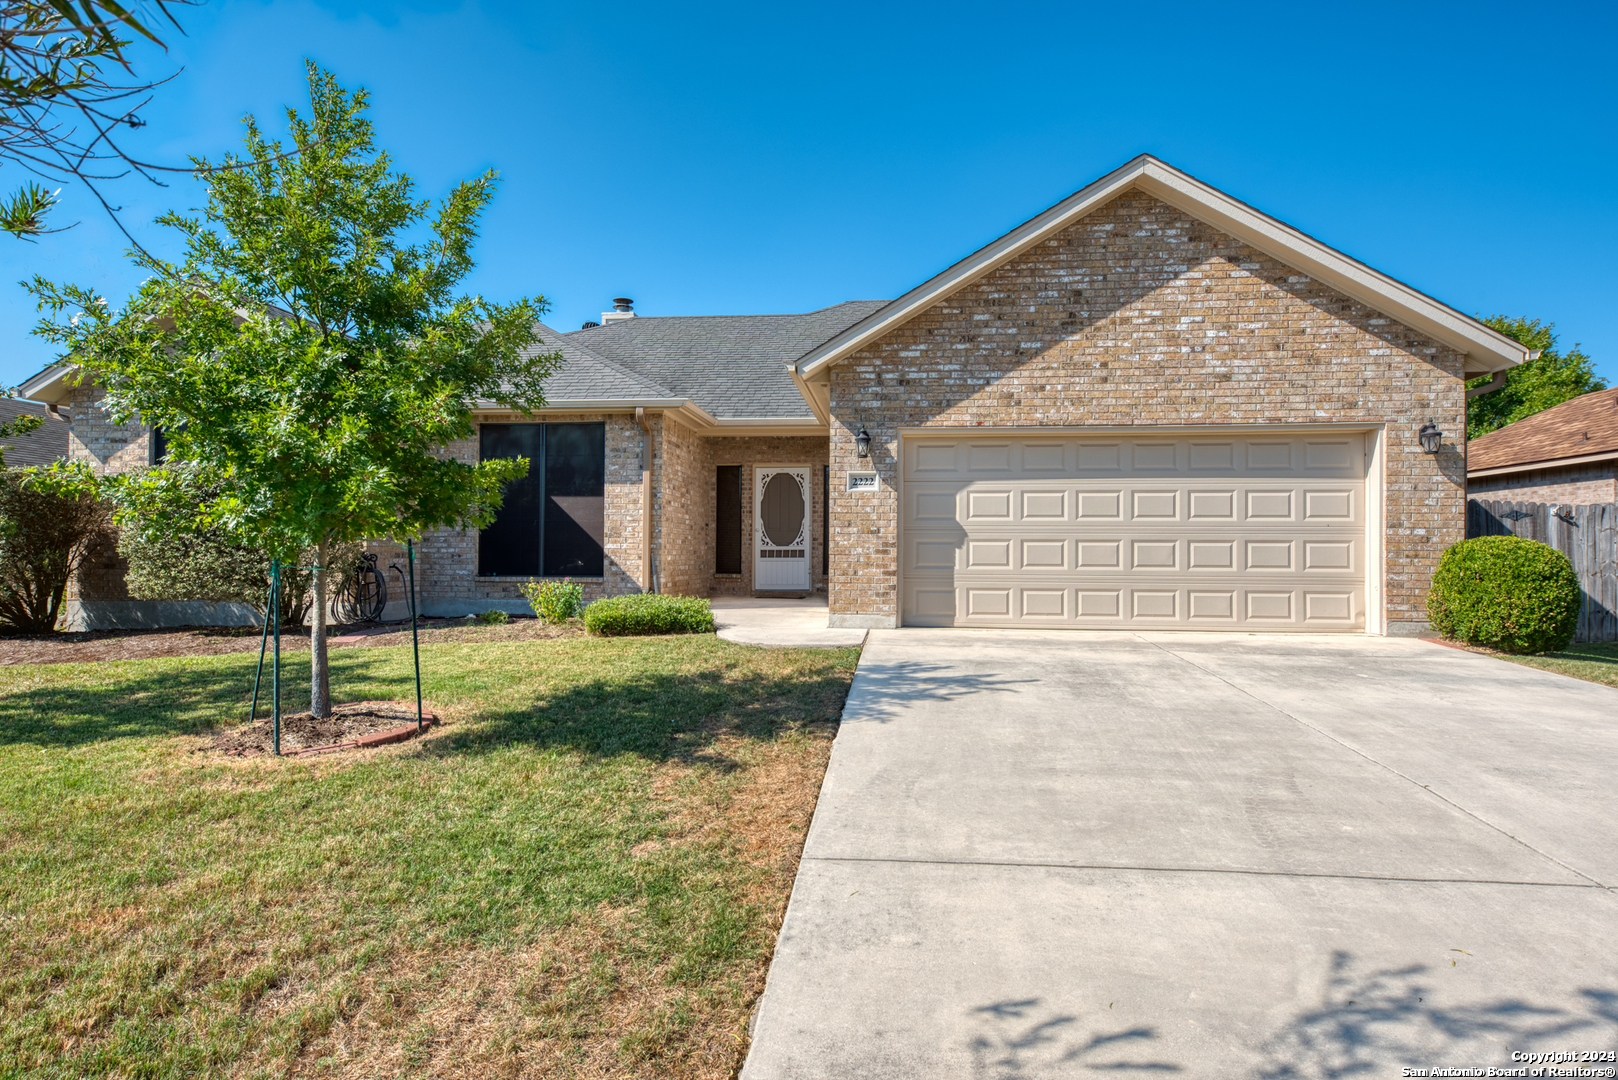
(1053,854)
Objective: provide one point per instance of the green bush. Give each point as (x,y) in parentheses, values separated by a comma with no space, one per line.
(44,538)
(170,557)
(1507,593)
(494,617)
(648,613)
(555,601)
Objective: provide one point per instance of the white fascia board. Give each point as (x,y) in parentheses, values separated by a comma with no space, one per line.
(769,426)
(49,386)
(689,410)
(1541,466)
(1487,351)
(817,395)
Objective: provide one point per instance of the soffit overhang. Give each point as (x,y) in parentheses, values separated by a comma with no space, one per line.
(50,386)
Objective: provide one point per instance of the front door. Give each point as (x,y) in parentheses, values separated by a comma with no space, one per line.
(781,517)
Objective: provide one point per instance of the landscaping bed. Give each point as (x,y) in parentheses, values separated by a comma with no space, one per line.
(91,645)
(581,874)
(353,725)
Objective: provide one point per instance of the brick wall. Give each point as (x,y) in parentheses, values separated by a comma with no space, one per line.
(751,452)
(684,511)
(1139,314)
(109,447)
(1579,485)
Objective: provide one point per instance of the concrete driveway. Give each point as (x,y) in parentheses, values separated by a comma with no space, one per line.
(1057,854)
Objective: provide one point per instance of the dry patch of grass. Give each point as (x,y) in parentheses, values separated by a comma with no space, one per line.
(580,875)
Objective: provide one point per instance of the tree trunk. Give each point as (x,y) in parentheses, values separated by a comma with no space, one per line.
(319,677)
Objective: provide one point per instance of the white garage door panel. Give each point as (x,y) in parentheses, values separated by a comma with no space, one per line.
(1198,531)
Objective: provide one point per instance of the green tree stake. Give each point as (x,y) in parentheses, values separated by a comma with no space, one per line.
(275,677)
(258,676)
(415,643)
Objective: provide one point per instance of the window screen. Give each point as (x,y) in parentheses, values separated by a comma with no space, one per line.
(575,499)
(727,542)
(552,522)
(509,545)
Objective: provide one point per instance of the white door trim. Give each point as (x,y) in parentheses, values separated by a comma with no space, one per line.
(789,571)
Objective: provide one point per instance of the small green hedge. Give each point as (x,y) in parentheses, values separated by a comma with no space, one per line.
(555,601)
(1507,593)
(648,613)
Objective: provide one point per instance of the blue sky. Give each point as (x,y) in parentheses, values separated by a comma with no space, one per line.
(721,159)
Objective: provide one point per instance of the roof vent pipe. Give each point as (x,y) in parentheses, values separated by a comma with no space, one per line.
(622,308)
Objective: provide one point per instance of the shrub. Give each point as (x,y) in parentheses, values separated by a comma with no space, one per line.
(493,618)
(1511,594)
(170,558)
(555,601)
(44,537)
(648,613)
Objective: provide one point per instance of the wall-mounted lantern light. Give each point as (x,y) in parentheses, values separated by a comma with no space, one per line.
(1431,438)
(862,443)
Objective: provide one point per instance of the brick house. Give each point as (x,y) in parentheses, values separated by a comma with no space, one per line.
(1149,406)
(1566,454)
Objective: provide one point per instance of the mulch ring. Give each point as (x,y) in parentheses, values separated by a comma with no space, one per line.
(355,726)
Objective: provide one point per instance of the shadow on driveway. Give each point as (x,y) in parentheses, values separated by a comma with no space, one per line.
(1369,1022)
(884,690)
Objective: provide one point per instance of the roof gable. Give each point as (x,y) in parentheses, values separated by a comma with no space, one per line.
(1486,349)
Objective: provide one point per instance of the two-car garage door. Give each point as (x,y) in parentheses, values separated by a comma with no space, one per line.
(1199,531)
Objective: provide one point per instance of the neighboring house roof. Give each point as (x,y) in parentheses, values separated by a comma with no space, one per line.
(1486,350)
(1583,429)
(41,446)
(733,366)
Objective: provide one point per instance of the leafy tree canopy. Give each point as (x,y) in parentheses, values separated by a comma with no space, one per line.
(310,356)
(1533,386)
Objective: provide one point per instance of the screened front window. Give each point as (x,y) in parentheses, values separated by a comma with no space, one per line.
(553,520)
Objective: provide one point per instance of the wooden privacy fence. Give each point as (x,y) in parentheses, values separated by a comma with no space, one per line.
(1587,535)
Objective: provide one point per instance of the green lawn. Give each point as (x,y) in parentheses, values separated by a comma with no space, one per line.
(1593,662)
(581,874)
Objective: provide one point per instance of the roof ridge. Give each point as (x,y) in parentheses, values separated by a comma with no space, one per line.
(759,315)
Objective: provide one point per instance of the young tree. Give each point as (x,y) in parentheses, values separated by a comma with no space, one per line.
(1533,386)
(307,358)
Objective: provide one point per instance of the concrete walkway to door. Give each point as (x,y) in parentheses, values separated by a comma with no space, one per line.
(779,622)
(1053,854)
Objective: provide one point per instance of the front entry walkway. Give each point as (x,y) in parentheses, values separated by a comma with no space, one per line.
(1058,854)
(799,624)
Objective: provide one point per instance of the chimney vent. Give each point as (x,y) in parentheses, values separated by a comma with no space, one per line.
(622,308)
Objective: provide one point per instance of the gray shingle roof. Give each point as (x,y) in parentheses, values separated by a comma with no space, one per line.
(734,366)
(41,446)
(585,375)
